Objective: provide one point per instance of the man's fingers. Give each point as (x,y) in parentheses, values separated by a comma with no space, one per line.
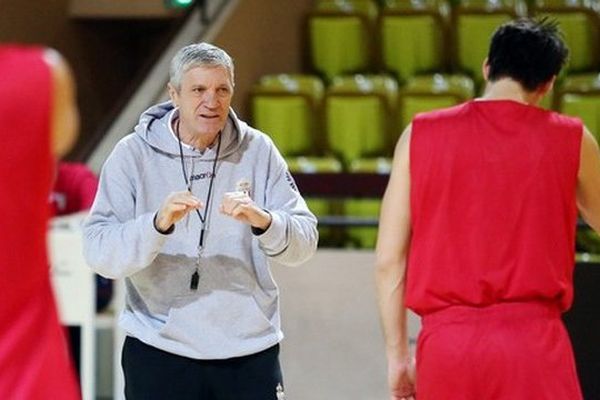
(177,207)
(232,209)
(185,198)
(238,210)
(192,203)
(232,201)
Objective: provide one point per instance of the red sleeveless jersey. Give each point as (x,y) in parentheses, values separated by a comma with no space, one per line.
(493,206)
(34,362)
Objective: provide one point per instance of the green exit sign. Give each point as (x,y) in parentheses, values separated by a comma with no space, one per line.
(179,3)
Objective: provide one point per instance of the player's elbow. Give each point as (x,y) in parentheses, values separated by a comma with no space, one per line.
(387,263)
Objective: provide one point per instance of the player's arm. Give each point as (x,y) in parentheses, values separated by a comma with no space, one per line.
(64,114)
(588,182)
(391,259)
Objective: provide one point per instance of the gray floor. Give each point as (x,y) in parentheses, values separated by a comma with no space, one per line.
(333,348)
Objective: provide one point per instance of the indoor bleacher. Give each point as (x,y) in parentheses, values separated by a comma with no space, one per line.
(375,64)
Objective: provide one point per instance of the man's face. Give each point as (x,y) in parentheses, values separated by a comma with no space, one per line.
(203,100)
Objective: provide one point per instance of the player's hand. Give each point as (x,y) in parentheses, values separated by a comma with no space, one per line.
(174,208)
(240,206)
(402,378)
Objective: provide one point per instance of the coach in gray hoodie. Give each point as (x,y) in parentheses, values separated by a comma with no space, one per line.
(190,208)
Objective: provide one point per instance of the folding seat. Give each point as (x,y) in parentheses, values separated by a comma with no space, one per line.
(365,208)
(425,93)
(287,108)
(358,116)
(585,106)
(580,96)
(473,23)
(341,36)
(414,36)
(580,23)
(322,207)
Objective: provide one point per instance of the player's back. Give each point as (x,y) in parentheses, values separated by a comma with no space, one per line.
(492,205)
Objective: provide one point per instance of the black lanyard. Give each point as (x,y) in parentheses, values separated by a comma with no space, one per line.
(188,182)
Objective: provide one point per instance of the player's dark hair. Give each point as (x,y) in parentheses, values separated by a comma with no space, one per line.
(528,51)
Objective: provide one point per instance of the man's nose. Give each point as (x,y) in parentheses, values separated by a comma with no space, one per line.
(211,99)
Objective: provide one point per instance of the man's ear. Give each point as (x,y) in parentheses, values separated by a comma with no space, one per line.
(173,94)
(485,69)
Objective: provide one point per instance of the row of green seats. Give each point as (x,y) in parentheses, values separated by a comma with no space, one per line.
(419,36)
(362,116)
(357,116)
(580,96)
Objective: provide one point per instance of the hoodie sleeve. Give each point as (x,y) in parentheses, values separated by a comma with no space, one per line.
(292,237)
(116,241)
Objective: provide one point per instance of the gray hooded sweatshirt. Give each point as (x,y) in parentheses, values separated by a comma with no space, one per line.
(235,310)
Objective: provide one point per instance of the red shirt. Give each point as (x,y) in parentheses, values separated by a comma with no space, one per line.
(74,189)
(34,362)
(493,206)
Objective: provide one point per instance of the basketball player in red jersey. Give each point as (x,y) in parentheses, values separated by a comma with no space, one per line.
(477,234)
(39,118)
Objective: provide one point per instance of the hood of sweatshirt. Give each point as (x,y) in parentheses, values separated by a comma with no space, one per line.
(153,128)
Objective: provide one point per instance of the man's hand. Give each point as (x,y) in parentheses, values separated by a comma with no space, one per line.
(402,378)
(174,208)
(241,207)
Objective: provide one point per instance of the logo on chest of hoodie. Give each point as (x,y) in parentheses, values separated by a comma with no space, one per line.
(202,175)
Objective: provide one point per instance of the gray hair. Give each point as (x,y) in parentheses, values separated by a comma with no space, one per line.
(196,55)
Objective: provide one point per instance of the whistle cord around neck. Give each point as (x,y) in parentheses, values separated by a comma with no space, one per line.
(188,181)
(195,279)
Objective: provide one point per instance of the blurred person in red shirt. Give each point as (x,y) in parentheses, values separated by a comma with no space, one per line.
(39,120)
(74,189)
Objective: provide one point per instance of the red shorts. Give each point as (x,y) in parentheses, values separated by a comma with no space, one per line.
(508,351)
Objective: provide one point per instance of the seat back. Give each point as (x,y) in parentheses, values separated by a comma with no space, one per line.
(358,113)
(413,36)
(584,106)
(580,96)
(286,107)
(426,93)
(340,36)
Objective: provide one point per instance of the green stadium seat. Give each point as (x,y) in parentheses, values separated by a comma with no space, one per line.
(413,36)
(580,24)
(340,36)
(321,207)
(286,107)
(365,236)
(426,93)
(587,108)
(474,22)
(358,116)
(580,97)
